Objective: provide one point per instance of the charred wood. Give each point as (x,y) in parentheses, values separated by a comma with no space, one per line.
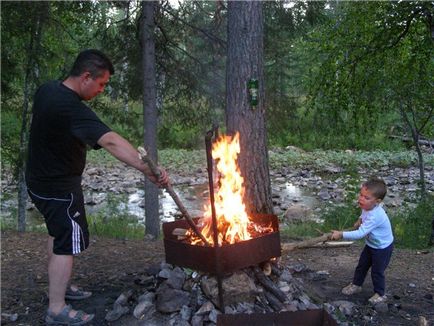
(273,301)
(269,285)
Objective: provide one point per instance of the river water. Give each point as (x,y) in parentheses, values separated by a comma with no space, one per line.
(194,198)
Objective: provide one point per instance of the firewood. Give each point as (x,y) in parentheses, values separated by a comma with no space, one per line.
(262,300)
(266,268)
(273,301)
(334,244)
(269,285)
(306,243)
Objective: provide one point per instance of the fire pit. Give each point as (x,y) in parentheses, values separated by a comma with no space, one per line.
(232,256)
(229,238)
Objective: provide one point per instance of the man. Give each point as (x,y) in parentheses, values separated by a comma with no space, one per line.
(62,127)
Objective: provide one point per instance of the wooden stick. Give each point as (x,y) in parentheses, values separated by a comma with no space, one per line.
(145,158)
(306,243)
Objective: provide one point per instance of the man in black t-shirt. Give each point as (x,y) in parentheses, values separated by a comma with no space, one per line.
(62,127)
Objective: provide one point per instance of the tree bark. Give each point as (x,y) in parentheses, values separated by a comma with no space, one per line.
(152,222)
(41,14)
(415,136)
(244,62)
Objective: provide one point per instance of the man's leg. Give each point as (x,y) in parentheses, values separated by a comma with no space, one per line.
(59,274)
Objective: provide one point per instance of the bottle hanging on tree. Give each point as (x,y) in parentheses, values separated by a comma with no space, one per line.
(252,87)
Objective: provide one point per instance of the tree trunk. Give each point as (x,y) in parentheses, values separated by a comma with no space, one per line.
(245,62)
(415,136)
(431,240)
(41,13)
(152,223)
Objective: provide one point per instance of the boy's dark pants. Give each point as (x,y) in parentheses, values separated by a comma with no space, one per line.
(378,259)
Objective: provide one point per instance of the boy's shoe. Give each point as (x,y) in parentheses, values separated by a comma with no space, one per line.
(376,298)
(351,289)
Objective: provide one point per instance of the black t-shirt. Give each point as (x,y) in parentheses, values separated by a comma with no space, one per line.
(62,126)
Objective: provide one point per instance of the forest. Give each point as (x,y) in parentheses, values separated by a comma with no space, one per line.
(333,75)
(318,95)
(335,72)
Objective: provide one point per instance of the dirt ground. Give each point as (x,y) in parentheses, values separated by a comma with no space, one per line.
(110,267)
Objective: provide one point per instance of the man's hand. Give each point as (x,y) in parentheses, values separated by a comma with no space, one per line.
(162,180)
(336,235)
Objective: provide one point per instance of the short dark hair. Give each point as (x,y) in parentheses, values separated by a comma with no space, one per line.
(377,187)
(94,61)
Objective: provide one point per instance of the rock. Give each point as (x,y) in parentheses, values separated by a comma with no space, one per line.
(117,312)
(422,321)
(122,300)
(176,278)
(213,315)
(297,212)
(205,308)
(239,287)
(197,320)
(346,307)
(142,309)
(381,307)
(324,194)
(171,300)
(185,313)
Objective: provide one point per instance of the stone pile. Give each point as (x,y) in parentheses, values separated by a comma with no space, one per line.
(171,295)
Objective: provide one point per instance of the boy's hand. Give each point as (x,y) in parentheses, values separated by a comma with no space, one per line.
(336,235)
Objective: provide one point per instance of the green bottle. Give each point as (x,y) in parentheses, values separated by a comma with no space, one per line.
(252,86)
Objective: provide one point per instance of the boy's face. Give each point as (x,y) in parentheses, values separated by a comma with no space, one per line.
(367,201)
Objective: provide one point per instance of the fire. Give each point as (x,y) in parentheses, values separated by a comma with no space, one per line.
(233,223)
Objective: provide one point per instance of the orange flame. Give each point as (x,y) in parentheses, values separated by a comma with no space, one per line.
(233,223)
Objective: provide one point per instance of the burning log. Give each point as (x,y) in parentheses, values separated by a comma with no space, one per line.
(145,158)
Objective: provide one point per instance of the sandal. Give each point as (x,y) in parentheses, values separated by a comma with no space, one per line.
(78,294)
(63,318)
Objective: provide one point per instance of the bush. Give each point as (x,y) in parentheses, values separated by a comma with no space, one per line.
(412,226)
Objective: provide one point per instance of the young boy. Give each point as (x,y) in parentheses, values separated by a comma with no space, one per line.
(374,225)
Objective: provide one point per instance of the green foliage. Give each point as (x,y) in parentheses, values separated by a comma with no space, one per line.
(10,137)
(350,161)
(370,60)
(300,230)
(126,120)
(115,222)
(117,227)
(182,160)
(412,225)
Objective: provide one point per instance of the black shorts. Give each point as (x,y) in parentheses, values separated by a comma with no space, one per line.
(66,222)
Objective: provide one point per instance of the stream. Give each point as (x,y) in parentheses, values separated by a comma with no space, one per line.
(194,198)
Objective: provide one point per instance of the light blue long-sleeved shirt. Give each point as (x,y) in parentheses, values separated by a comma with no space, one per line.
(375,227)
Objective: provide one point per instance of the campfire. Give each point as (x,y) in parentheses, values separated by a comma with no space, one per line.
(226,242)
(238,239)
(233,222)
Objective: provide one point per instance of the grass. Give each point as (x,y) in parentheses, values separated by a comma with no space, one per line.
(117,227)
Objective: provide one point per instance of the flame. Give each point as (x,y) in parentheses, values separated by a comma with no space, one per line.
(233,223)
